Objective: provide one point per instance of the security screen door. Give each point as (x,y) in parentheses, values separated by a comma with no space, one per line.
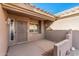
(20,31)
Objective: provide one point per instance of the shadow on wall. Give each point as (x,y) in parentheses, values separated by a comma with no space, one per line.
(59,35)
(56,35)
(75,39)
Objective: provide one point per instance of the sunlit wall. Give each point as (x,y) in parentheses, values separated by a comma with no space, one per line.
(66,23)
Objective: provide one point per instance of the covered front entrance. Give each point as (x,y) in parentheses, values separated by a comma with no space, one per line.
(26,24)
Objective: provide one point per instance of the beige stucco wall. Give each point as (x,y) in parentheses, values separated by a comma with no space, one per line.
(3,32)
(67,23)
(56,35)
(75,38)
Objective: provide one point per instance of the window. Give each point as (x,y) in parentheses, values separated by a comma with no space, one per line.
(35,27)
(11,28)
(12,34)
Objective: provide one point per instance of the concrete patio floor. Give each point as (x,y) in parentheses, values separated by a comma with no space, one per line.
(74,53)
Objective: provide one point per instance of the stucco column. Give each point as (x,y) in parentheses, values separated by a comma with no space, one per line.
(42,28)
(3,32)
(28,29)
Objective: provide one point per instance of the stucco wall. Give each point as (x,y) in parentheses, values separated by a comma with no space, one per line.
(75,38)
(56,35)
(67,23)
(3,32)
